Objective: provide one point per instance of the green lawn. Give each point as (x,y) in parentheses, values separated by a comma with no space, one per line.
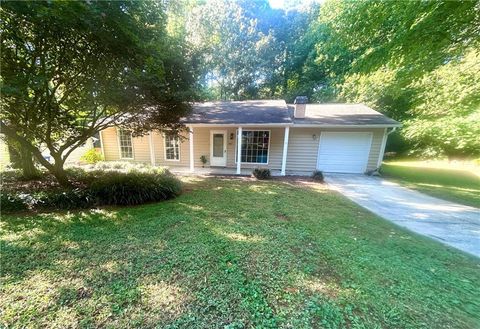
(232,254)
(455,184)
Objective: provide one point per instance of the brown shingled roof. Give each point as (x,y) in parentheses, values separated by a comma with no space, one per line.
(246,112)
(277,112)
(342,114)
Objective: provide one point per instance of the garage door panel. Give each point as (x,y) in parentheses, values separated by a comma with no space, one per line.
(344,152)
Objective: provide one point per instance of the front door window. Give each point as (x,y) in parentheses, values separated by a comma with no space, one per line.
(218,149)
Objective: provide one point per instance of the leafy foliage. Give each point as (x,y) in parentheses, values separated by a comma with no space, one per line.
(70,69)
(318,176)
(134,188)
(11,203)
(261,173)
(131,186)
(92,156)
(416,61)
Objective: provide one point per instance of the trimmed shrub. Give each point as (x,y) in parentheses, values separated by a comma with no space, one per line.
(92,156)
(261,173)
(318,176)
(55,199)
(11,203)
(135,187)
(65,199)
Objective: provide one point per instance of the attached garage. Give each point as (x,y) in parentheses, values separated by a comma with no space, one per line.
(344,152)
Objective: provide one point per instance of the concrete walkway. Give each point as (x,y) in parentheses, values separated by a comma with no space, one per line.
(450,223)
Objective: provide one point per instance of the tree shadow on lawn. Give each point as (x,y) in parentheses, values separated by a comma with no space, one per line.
(228,252)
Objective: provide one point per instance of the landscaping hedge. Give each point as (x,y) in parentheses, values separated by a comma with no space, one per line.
(134,188)
(96,188)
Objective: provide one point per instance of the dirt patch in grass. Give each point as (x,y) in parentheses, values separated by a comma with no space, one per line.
(281,217)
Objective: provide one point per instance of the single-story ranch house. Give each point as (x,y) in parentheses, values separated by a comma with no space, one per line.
(287,139)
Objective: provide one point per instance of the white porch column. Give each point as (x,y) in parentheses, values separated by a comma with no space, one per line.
(285,149)
(239,151)
(192,156)
(152,148)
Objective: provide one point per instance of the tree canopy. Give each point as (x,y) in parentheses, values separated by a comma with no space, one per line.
(417,61)
(70,69)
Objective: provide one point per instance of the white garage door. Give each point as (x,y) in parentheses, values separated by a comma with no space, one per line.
(344,152)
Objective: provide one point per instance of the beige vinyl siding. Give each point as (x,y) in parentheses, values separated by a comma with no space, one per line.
(110,144)
(141,151)
(159,149)
(201,145)
(303,149)
(375,148)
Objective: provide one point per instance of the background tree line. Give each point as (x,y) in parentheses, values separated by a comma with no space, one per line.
(416,61)
(70,69)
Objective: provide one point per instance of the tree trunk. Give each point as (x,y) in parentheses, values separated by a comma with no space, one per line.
(59,172)
(25,162)
(61,176)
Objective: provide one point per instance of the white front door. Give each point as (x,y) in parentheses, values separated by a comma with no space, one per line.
(218,148)
(344,152)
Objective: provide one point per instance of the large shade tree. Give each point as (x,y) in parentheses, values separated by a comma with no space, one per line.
(71,69)
(417,61)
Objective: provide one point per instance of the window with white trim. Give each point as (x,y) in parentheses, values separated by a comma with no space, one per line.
(255,146)
(126,145)
(172,147)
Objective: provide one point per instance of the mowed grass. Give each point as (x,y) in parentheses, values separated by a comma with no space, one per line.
(456,184)
(232,253)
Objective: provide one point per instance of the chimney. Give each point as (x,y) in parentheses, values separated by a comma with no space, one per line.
(300,106)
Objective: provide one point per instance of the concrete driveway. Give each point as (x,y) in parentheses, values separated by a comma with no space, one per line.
(450,223)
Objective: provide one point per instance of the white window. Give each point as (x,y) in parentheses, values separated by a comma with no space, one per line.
(172,147)
(125,143)
(255,146)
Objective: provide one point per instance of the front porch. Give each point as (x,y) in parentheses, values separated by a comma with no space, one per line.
(222,146)
(216,171)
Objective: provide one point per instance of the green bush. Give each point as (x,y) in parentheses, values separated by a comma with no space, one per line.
(46,200)
(135,187)
(92,156)
(64,199)
(318,176)
(261,173)
(140,184)
(11,203)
